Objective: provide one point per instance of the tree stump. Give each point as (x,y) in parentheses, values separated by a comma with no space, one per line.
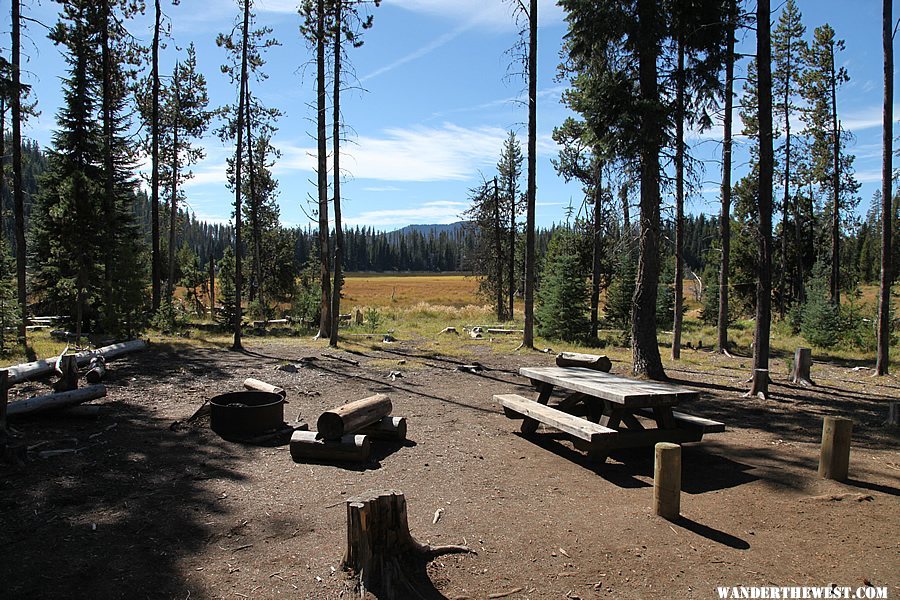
(67,367)
(802,364)
(893,413)
(382,553)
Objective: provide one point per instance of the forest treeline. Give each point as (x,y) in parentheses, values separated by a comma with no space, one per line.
(786,243)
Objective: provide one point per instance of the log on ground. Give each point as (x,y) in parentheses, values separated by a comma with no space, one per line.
(96,370)
(350,448)
(261,386)
(55,401)
(334,423)
(39,368)
(388,429)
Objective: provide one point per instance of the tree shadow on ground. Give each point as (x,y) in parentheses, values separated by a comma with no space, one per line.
(712,534)
(117,518)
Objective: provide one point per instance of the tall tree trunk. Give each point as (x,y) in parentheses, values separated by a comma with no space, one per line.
(256,286)
(173,201)
(836,187)
(338,226)
(18,191)
(498,252)
(212,285)
(764,226)
(679,203)
(725,214)
(154,165)
(238,157)
(596,248)
(109,178)
(626,214)
(882,363)
(511,189)
(786,200)
(2,171)
(644,347)
(324,274)
(528,338)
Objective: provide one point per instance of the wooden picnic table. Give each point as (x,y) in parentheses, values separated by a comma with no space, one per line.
(619,412)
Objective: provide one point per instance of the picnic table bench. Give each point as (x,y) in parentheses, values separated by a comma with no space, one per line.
(618,412)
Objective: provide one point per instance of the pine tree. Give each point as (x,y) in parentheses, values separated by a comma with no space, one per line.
(487,258)
(67,239)
(509,169)
(563,295)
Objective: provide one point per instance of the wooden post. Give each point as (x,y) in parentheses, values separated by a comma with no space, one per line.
(834,459)
(667,481)
(381,552)
(359,317)
(67,367)
(334,423)
(802,364)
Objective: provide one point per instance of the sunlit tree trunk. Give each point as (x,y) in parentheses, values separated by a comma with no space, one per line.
(528,338)
(887,209)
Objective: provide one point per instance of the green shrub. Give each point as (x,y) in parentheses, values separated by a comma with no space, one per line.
(563,298)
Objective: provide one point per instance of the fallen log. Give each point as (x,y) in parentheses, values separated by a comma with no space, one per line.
(39,368)
(334,423)
(382,554)
(261,386)
(49,402)
(349,361)
(349,448)
(388,428)
(96,370)
(504,331)
(588,361)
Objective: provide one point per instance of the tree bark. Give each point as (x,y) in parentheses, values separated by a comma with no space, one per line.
(498,251)
(109,178)
(18,191)
(785,203)
(2,166)
(154,164)
(338,225)
(255,285)
(764,227)
(725,214)
(511,189)
(836,185)
(238,156)
(679,204)
(381,552)
(882,362)
(644,347)
(530,257)
(324,272)
(173,202)
(596,247)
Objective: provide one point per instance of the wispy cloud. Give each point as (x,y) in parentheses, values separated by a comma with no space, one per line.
(384,188)
(419,52)
(448,153)
(437,211)
(491,14)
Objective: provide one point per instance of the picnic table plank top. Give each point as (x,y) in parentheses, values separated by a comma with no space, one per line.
(631,393)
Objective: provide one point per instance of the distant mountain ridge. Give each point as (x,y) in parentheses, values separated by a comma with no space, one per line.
(436,228)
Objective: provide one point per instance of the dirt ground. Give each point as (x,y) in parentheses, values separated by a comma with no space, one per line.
(152,506)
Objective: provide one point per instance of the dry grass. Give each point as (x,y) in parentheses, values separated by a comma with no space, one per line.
(372,290)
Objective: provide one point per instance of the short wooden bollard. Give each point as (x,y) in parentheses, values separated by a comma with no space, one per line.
(667,481)
(834,460)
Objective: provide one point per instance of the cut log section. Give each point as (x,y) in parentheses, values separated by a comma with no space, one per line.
(350,448)
(388,429)
(588,361)
(39,368)
(54,401)
(334,423)
(262,386)
(96,370)
(67,368)
(802,366)
(387,561)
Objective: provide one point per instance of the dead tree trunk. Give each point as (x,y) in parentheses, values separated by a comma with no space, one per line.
(381,551)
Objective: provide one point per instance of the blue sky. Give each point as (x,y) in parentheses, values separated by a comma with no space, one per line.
(441,91)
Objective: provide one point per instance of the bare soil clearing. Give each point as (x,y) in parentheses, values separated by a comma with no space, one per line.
(155,506)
